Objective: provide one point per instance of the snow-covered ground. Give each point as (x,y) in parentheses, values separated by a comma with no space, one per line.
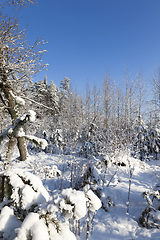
(117,224)
(119,220)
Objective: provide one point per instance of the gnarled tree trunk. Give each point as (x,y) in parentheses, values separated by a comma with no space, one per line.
(7,90)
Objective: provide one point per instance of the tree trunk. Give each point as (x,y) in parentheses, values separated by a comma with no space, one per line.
(2,188)
(22,148)
(11,108)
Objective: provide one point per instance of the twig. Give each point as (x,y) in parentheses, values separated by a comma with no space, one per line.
(111,178)
(129,190)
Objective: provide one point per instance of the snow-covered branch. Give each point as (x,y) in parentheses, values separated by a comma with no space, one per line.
(17,130)
(38,141)
(40,104)
(13,131)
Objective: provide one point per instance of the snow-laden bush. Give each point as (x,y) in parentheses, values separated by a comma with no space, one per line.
(146,142)
(51,171)
(150,217)
(92,142)
(73,203)
(28,211)
(92,175)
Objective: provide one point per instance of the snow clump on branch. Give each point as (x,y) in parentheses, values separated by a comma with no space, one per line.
(20,101)
(32,115)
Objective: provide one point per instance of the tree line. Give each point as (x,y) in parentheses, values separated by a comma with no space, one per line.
(106,118)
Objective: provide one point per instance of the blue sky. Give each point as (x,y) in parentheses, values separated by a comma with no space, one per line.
(87,38)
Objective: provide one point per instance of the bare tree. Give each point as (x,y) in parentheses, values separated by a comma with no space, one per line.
(97,113)
(88,106)
(141,96)
(156,94)
(130,106)
(107,96)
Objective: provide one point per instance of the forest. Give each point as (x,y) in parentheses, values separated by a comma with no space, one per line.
(74,166)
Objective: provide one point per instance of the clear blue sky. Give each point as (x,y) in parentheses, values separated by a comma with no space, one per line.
(87,38)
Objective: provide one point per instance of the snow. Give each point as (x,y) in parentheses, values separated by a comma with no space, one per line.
(95,202)
(35,182)
(6,213)
(39,231)
(15,181)
(39,141)
(35,225)
(78,199)
(52,171)
(20,133)
(10,130)
(65,234)
(156,216)
(30,197)
(111,221)
(32,115)
(8,223)
(43,143)
(20,101)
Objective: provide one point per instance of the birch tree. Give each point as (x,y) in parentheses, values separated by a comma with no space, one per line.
(107,100)
(156,95)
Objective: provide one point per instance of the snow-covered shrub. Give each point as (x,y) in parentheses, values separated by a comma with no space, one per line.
(146,142)
(56,144)
(78,206)
(107,160)
(28,211)
(74,203)
(57,138)
(92,142)
(95,177)
(92,175)
(107,196)
(154,141)
(141,142)
(51,172)
(150,217)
